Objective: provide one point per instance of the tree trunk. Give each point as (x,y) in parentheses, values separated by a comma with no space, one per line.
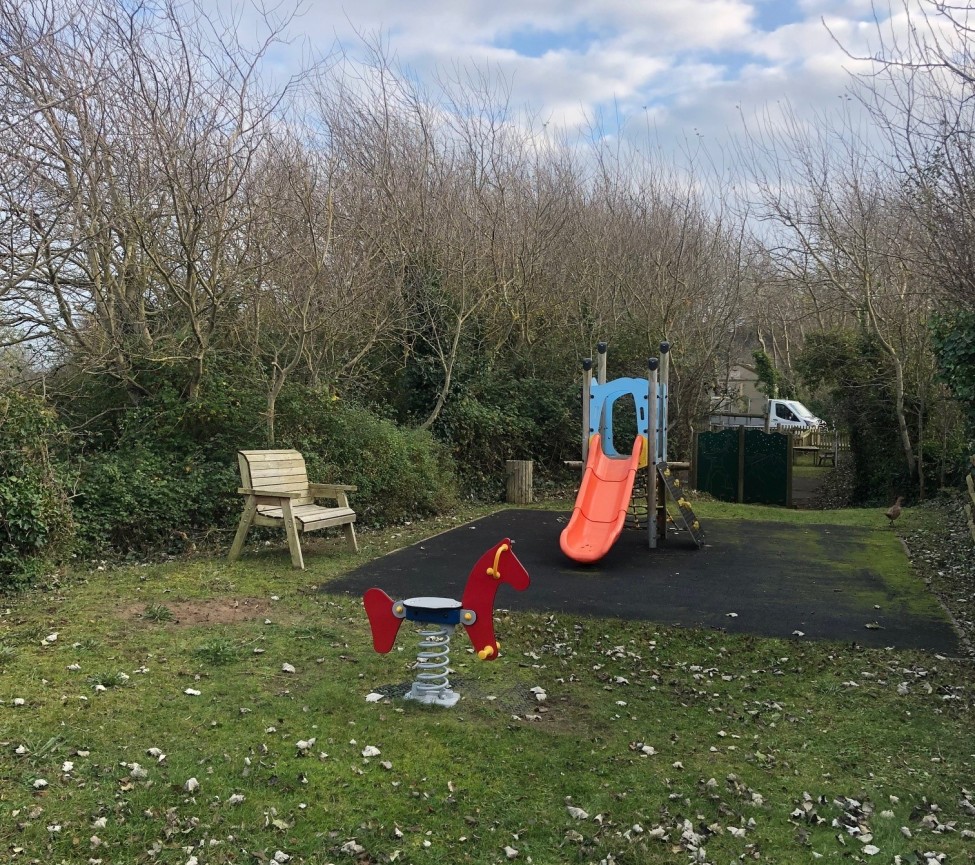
(518,481)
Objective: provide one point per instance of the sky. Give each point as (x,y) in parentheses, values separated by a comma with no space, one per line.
(685,68)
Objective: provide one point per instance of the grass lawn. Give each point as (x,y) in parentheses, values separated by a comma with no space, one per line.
(197,712)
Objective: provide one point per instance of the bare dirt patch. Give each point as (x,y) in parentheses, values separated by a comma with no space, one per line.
(212,611)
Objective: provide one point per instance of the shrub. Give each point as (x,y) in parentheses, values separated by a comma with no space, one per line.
(953,339)
(36,529)
(400,473)
(517,418)
(164,473)
(172,476)
(138,499)
(851,365)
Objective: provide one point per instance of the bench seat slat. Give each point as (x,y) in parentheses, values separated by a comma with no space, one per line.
(310,516)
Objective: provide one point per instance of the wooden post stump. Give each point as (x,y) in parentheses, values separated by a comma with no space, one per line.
(518,481)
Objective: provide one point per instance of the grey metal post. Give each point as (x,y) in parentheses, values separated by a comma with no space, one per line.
(601,379)
(586,406)
(665,398)
(664,424)
(653,364)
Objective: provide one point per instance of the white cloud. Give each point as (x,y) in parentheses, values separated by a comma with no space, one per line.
(694,66)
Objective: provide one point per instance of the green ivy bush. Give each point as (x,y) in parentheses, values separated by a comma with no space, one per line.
(481,437)
(401,473)
(514,418)
(953,340)
(854,370)
(171,475)
(36,527)
(164,474)
(945,461)
(140,499)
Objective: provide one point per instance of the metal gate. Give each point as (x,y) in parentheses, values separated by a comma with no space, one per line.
(744,465)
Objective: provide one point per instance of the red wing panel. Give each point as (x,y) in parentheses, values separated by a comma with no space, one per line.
(384,625)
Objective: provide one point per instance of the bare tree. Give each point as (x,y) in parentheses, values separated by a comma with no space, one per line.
(846,235)
(920,91)
(393,141)
(292,294)
(128,134)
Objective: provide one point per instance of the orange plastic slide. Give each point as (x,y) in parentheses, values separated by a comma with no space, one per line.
(601,505)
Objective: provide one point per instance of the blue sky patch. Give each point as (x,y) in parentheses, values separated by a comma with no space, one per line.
(770,15)
(532,42)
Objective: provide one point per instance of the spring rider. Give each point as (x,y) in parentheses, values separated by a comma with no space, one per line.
(438,617)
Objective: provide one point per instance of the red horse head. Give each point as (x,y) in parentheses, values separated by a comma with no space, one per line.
(498,565)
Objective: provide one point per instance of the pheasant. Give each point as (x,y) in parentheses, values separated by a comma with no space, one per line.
(894,511)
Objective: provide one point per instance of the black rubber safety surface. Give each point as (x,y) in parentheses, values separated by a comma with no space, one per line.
(764,578)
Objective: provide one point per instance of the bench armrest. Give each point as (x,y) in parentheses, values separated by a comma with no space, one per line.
(330,490)
(276,494)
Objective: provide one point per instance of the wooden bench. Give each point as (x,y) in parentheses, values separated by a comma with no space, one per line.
(826,457)
(278,494)
(804,449)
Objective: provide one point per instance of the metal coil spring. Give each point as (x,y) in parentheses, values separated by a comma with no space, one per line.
(432,660)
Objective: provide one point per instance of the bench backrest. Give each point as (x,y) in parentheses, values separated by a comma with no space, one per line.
(275,471)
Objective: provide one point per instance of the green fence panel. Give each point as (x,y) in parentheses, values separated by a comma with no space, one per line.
(763,460)
(766,468)
(717,464)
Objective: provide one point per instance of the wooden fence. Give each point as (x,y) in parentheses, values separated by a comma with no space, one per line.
(826,440)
